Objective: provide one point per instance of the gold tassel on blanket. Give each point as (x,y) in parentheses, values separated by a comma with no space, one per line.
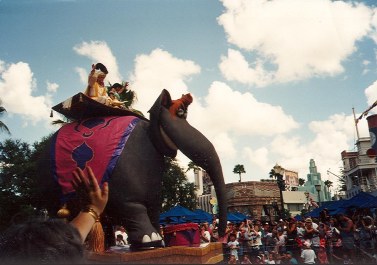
(96,239)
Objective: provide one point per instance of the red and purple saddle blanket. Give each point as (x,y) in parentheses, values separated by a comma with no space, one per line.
(95,142)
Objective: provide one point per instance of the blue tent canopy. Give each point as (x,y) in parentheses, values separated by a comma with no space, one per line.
(361,200)
(231,217)
(177,214)
(298,217)
(178,211)
(201,216)
(240,215)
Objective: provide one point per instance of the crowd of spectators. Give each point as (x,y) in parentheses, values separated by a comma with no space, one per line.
(339,239)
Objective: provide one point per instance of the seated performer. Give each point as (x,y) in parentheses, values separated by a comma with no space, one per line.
(96,88)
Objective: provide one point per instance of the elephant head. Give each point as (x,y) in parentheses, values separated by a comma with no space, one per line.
(172,132)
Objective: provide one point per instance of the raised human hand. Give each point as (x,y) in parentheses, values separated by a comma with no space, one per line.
(89,193)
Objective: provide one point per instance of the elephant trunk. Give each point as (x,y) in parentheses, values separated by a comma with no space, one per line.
(200,150)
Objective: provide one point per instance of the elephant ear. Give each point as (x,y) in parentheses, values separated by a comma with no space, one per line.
(164,100)
(162,103)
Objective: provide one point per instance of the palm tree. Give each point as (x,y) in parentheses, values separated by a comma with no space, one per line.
(192,166)
(328,184)
(275,173)
(3,127)
(301,182)
(239,169)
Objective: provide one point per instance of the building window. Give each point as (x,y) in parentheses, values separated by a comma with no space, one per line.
(353,162)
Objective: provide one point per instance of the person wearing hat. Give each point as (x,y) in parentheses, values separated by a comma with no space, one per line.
(96,87)
(265,230)
(311,233)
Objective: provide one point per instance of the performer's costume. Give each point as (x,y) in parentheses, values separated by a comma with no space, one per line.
(97,91)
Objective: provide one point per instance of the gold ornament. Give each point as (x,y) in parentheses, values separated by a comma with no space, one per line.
(63,212)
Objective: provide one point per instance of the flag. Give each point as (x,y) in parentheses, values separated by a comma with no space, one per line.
(365,113)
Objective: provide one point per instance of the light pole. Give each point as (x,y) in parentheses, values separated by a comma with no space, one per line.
(318,189)
(307,207)
(278,171)
(274,206)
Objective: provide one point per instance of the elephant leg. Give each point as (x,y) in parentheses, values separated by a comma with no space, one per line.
(141,232)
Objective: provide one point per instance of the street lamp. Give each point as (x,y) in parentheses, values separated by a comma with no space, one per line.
(274,206)
(307,206)
(278,171)
(318,189)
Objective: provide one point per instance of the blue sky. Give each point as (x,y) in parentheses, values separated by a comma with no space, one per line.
(272,81)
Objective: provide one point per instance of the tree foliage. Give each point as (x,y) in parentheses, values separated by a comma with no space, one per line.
(19,184)
(328,184)
(342,183)
(301,181)
(176,189)
(15,180)
(192,166)
(3,126)
(239,169)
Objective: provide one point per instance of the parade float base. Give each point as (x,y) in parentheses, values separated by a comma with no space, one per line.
(209,253)
(81,106)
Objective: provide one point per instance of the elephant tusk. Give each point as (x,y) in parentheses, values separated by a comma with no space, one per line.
(167,140)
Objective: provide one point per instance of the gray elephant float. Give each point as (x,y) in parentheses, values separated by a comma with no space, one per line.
(134,163)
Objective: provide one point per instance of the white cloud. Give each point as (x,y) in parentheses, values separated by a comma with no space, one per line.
(291,39)
(331,137)
(227,110)
(16,87)
(371,95)
(99,52)
(160,70)
(258,158)
(224,146)
(366,62)
(83,74)
(52,87)
(374,26)
(235,67)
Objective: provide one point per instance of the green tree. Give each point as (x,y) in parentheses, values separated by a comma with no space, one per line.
(22,187)
(328,184)
(274,173)
(15,181)
(301,182)
(239,169)
(342,183)
(3,127)
(176,189)
(192,166)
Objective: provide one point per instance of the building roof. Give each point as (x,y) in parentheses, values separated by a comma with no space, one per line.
(294,197)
